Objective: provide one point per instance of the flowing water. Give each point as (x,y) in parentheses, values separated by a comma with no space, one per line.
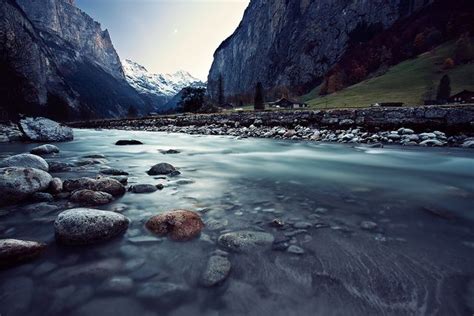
(418,261)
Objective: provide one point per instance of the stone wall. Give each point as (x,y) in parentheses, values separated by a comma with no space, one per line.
(453,119)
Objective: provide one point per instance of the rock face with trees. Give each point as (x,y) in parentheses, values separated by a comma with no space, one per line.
(300,45)
(295,43)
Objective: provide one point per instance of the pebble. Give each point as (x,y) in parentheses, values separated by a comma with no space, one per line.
(46,149)
(295,250)
(245,241)
(368,225)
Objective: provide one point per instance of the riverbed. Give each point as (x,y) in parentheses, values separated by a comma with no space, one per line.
(415,258)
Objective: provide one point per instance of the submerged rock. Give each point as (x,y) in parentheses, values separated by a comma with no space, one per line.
(114,172)
(179,225)
(45,150)
(95,156)
(145,188)
(107,185)
(25,161)
(58,166)
(41,129)
(169,151)
(161,169)
(14,251)
(243,241)
(217,270)
(89,197)
(42,197)
(83,226)
(128,142)
(368,225)
(16,295)
(296,250)
(117,306)
(17,184)
(162,291)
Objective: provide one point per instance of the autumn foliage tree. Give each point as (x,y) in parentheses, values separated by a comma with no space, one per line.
(448,64)
(335,81)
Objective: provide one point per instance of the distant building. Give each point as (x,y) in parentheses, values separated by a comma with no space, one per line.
(464,96)
(287,104)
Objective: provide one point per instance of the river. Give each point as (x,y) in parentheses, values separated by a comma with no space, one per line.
(419,260)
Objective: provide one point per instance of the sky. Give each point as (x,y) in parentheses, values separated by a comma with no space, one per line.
(168,35)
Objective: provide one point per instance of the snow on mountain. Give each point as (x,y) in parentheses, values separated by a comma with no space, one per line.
(167,85)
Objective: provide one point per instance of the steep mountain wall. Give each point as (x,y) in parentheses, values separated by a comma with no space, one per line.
(62,19)
(28,73)
(293,43)
(62,62)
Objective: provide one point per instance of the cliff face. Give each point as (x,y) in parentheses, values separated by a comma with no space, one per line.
(61,20)
(294,43)
(64,61)
(28,73)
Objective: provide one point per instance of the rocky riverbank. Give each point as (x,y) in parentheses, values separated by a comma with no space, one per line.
(424,125)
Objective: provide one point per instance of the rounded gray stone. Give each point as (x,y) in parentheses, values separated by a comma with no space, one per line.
(244,241)
(41,129)
(17,184)
(83,226)
(46,149)
(25,161)
(217,270)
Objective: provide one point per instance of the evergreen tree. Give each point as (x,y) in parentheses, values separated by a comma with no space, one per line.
(192,99)
(259,102)
(444,89)
(221,96)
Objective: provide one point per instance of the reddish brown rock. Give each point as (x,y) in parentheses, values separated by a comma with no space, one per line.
(179,225)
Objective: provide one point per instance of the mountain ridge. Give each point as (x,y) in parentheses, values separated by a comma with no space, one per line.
(159,89)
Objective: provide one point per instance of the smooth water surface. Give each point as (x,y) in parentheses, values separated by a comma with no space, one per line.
(419,261)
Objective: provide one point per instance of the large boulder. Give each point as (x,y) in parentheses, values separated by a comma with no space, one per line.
(82,226)
(41,129)
(107,185)
(17,183)
(14,251)
(25,161)
(245,241)
(179,225)
(46,149)
(89,197)
(161,169)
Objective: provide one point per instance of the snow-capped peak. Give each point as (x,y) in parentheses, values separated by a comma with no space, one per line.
(159,84)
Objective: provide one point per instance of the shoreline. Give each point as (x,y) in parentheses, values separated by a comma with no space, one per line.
(434,126)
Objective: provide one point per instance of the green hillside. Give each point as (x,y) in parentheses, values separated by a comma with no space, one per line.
(406,82)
